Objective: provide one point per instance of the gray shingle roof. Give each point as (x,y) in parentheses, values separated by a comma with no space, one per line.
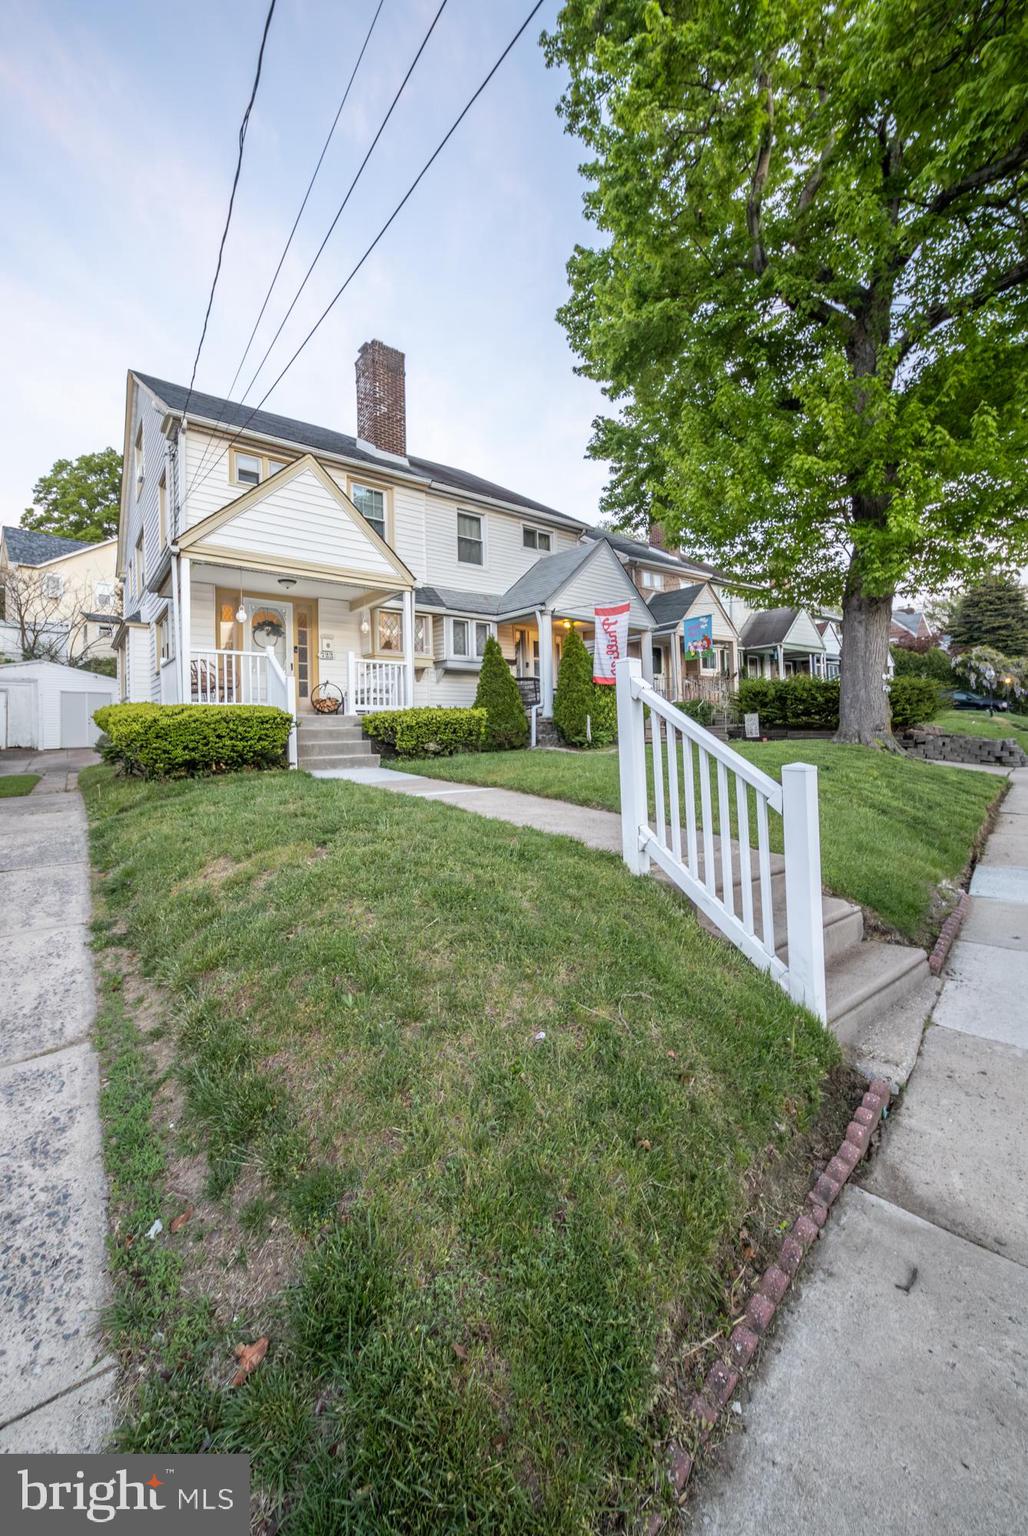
(668,607)
(322,440)
(634,549)
(26,547)
(544,578)
(769,627)
(486,603)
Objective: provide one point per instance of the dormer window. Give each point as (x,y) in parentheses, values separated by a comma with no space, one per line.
(537,538)
(653,579)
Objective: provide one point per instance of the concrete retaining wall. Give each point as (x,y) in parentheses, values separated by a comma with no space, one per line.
(945,747)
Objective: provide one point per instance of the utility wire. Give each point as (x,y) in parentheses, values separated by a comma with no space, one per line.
(447,136)
(296,221)
(232,197)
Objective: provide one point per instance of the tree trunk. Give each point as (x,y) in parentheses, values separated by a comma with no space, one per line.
(863,701)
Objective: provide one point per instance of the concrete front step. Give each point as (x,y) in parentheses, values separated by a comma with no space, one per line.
(319,746)
(320,736)
(868,979)
(339,760)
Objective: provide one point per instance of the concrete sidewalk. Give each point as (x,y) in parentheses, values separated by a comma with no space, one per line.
(58,1391)
(894,1395)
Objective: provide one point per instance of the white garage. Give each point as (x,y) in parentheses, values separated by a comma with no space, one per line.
(46,705)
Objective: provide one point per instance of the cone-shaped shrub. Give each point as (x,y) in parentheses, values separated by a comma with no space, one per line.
(499,696)
(579,699)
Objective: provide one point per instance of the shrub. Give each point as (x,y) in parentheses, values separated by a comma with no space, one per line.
(700,710)
(912,701)
(934,664)
(499,696)
(584,712)
(428,732)
(165,741)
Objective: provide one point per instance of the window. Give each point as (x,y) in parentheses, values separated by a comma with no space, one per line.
(104,631)
(652,579)
(164,646)
(53,586)
(708,660)
(422,635)
(138,565)
(370,503)
(658,660)
(536,538)
(138,458)
(251,468)
(103,596)
(162,509)
(389,632)
(463,638)
(469,539)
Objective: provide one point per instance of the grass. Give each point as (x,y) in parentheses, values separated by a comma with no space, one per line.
(17,784)
(892,829)
(505,1102)
(972,722)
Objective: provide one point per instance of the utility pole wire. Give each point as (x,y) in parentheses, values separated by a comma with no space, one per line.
(392,217)
(231,200)
(296,221)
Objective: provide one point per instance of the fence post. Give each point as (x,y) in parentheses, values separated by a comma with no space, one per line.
(803,911)
(291,707)
(632,764)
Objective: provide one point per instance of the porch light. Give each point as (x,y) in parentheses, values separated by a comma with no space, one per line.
(240,614)
(287,581)
(365,626)
(567,623)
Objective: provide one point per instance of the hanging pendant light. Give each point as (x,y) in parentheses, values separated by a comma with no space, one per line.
(240,611)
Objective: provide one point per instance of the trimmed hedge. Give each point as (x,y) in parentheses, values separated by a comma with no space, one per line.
(428,732)
(812,703)
(700,710)
(585,713)
(499,696)
(167,741)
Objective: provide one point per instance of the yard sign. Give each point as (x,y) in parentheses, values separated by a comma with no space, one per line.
(611,642)
(699,635)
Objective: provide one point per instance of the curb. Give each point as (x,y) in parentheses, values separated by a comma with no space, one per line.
(714,1397)
(948,933)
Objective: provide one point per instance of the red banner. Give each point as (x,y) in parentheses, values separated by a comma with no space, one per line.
(610,643)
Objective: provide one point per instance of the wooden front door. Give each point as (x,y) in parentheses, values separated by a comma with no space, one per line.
(305,648)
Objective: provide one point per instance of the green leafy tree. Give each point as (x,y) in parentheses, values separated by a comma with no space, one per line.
(933,663)
(808,295)
(79,498)
(498,695)
(584,712)
(993,612)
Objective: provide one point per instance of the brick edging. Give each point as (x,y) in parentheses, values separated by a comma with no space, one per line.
(715,1396)
(948,933)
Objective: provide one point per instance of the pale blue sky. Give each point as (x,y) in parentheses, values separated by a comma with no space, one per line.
(119,124)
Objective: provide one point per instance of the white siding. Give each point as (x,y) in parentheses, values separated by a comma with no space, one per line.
(601,580)
(337,623)
(202,615)
(504,557)
(34,691)
(804,633)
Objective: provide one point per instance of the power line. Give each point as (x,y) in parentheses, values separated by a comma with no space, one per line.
(447,136)
(338,215)
(232,197)
(296,221)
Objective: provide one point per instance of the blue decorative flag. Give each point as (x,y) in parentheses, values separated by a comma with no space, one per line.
(699,635)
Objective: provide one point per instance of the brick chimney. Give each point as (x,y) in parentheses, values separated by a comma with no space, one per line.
(657,535)
(382,398)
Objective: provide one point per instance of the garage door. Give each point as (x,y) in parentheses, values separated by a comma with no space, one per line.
(77,728)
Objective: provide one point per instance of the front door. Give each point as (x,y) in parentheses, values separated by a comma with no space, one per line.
(268,628)
(305,650)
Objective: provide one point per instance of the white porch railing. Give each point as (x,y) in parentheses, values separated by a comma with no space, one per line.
(373,685)
(696,849)
(243,677)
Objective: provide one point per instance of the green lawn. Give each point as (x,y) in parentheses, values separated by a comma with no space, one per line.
(973,722)
(12,784)
(494,1099)
(891,828)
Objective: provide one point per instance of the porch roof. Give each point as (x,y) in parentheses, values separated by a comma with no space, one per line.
(554,576)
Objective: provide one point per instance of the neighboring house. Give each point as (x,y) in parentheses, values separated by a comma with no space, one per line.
(782,642)
(261,556)
(61,592)
(830,630)
(910,629)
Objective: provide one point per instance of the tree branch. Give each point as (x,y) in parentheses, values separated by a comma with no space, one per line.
(1014,160)
(754,205)
(938,314)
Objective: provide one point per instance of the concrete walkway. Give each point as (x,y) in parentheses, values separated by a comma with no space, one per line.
(58,1391)
(894,1395)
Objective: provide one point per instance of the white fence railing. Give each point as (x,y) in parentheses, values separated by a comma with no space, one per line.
(373,685)
(232,677)
(699,850)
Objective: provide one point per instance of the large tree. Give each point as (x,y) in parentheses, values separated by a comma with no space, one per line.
(79,498)
(809,292)
(992,612)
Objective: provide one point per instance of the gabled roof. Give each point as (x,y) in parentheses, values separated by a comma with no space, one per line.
(769,627)
(545,578)
(910,619)
(27,547)
(316,439)
(669,607)
(652,554)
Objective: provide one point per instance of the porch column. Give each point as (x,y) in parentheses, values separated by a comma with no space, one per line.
(185,636)
(408,646)
(781,661)
(544,619)
(646,646)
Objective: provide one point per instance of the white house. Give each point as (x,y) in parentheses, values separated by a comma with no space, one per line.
(262,556)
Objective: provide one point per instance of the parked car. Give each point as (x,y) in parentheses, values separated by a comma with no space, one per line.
(963,698)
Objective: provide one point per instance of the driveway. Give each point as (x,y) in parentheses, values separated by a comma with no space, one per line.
(58,1388)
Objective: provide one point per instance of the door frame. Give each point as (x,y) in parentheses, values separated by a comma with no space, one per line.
(231,597)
